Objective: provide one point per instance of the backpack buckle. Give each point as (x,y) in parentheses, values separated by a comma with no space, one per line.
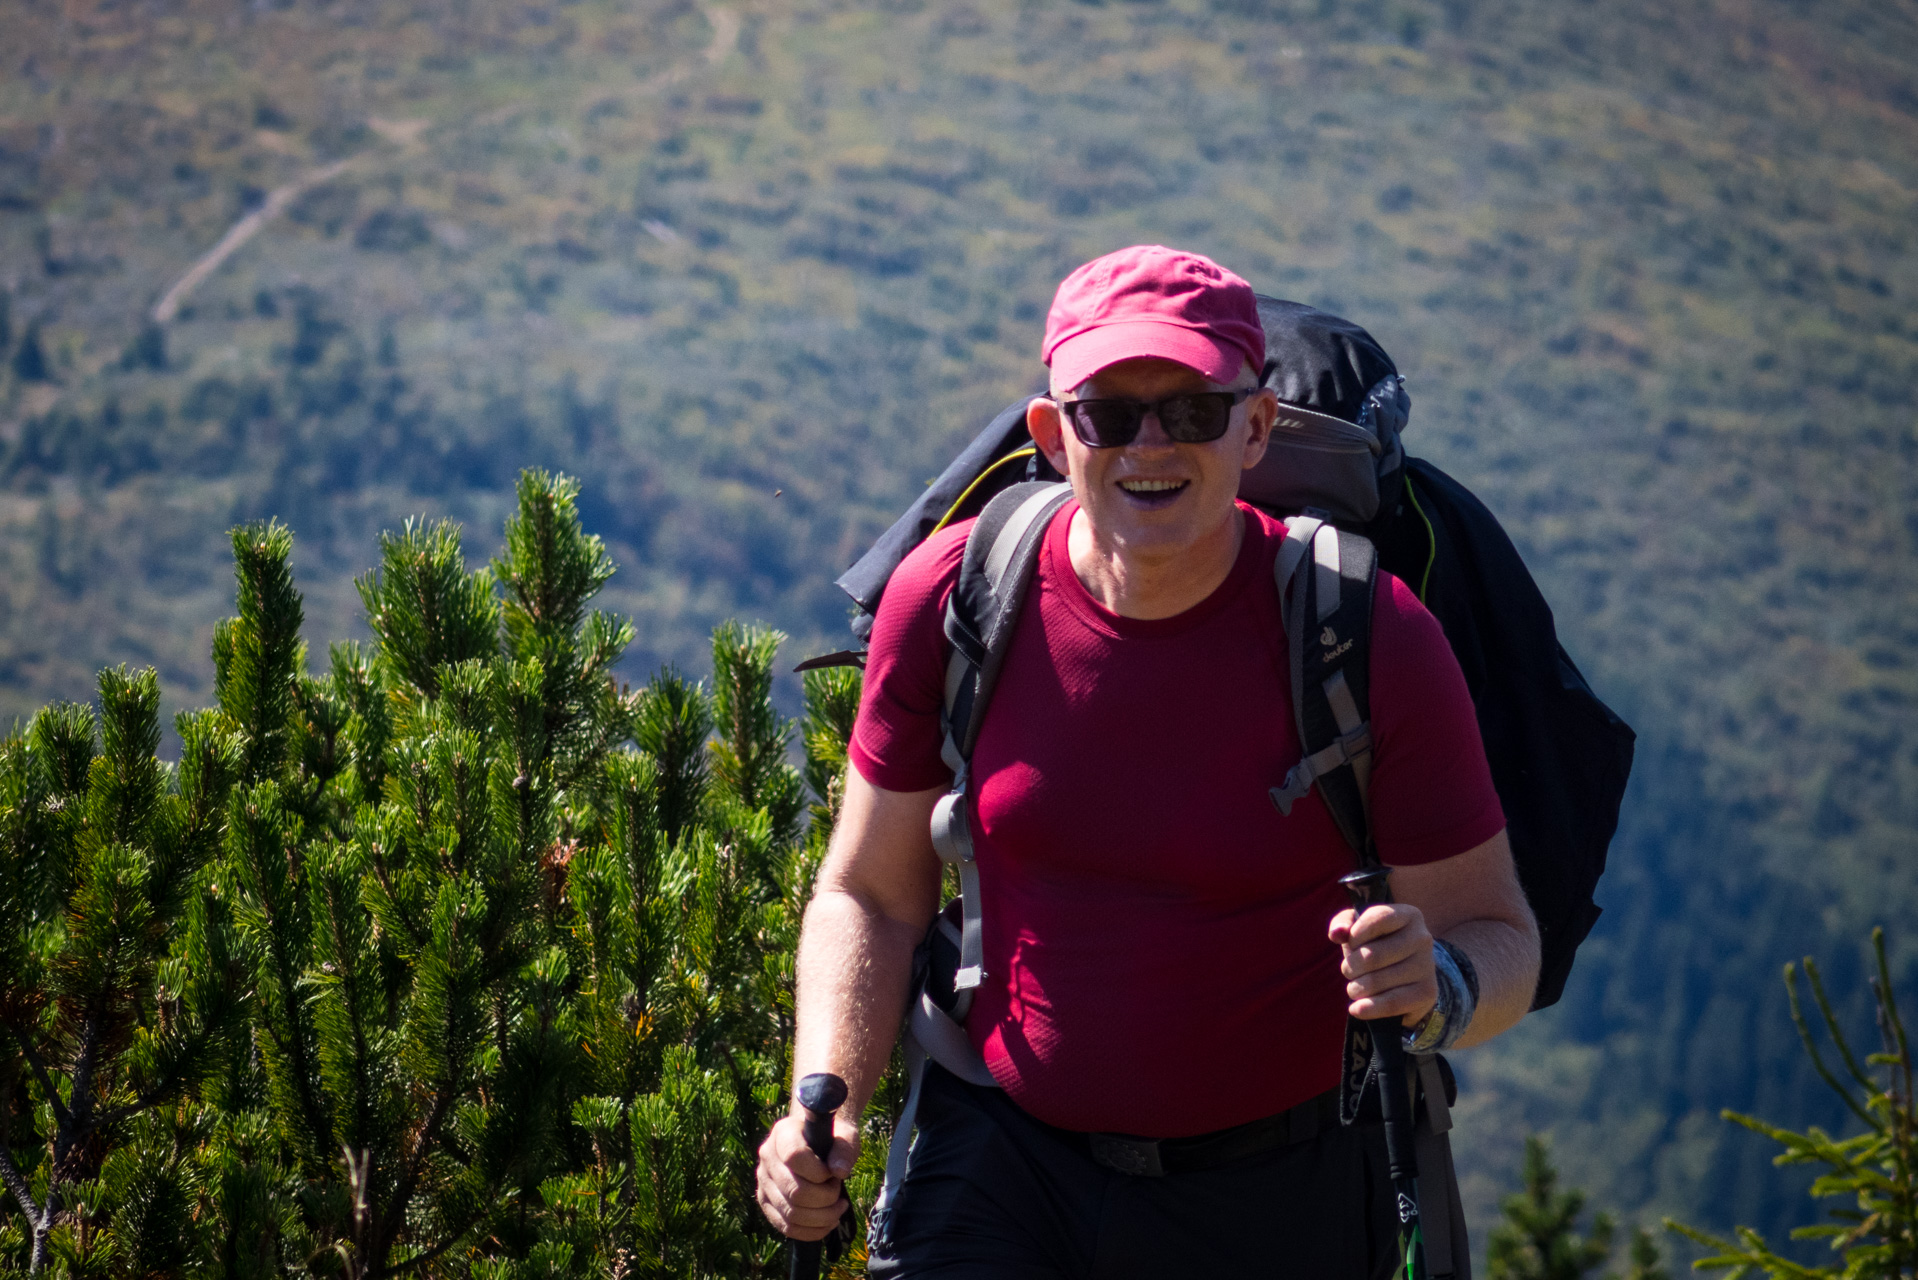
(1138,1157)
(1298,785)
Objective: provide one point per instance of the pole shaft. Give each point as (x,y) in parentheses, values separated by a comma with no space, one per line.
(1369,887)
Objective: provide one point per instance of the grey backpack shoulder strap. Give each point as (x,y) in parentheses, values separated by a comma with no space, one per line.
(1326,577)
(1001,552)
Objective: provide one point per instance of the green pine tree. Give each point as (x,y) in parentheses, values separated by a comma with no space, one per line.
(116,973)
(1539,1239)
(1876,1171)
(457,959)
(394,858)
(687,906)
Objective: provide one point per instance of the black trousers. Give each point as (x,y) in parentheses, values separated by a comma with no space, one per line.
(991,1192)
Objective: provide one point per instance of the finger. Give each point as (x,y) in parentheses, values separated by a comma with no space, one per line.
(1340,930)
(792,1189)
(809,1202)
(788,1139)
(1398,1003)
(1409,943)
(1405,990)
(845,1147)
(1406,973)
(787,1198)
(1384,919)
(801,1222)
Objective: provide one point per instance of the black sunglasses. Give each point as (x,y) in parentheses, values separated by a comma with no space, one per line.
(1193,417)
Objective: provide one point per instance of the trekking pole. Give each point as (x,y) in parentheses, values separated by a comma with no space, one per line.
(820,1094)
(1368,887)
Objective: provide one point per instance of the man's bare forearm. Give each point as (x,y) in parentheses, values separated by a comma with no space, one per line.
(876,893)
(1474,902)
(1505,954)
(854,966)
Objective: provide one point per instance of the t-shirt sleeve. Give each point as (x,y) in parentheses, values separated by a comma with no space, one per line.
(1432,795)
(897,735)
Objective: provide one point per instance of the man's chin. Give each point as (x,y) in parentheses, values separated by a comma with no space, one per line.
(1184,521)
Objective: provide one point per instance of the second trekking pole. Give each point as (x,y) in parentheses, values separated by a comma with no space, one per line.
(820,1094)
(1370,887)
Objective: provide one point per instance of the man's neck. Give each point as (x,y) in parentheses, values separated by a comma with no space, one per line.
(1154,582)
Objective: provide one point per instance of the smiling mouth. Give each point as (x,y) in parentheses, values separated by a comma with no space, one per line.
(1153,492)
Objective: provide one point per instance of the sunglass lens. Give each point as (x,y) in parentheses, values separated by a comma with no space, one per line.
(1195,419)
(1107,424)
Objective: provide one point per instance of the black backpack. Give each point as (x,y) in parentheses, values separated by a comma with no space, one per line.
(1559,757)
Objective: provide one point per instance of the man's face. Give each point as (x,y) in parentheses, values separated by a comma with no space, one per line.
(1153,495)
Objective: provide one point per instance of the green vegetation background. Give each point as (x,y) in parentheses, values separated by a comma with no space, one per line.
(754,271)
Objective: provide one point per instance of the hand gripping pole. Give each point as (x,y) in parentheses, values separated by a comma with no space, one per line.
(821,1094)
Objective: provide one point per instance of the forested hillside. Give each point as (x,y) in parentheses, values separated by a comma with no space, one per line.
(755,270)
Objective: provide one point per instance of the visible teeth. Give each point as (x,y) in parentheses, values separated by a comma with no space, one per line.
(1150,486)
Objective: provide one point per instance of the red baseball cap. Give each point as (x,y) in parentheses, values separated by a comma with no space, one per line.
(1152,301)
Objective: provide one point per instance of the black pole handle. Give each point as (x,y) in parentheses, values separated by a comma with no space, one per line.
(821,1094)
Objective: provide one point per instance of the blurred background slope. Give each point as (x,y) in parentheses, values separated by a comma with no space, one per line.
(755,271)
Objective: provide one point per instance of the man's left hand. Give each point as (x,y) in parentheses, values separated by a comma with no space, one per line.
(1388,963)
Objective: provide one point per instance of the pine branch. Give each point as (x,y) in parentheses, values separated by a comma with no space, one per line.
(159,1090)
(15,1181)
(672,724)
(265,844)
(413,1165)
(426,609)
(1832,1028)
(415,932)
(61,1115)
(421,1259)
(1874,1169)
(258,655)
(551,568)
(1811,1046)
(752,746)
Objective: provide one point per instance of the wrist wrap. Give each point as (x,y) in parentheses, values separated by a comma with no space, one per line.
(1457,1001)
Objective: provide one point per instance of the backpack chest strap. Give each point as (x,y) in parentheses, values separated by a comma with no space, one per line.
(952,840)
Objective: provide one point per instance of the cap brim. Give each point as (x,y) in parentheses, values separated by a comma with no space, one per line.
(1085,354)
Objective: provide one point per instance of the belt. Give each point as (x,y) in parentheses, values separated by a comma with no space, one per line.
(1156,1157)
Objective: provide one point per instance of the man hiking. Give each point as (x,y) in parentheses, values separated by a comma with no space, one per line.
(1165,955)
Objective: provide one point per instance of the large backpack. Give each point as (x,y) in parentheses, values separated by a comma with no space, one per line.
(1352,503)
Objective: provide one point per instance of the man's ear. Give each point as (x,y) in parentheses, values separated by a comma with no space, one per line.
(1261,412)
(1047,427)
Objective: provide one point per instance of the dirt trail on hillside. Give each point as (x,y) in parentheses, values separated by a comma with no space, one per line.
(406,135)
(239,233)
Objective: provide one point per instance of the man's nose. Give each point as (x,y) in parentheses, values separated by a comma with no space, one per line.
(1152,433)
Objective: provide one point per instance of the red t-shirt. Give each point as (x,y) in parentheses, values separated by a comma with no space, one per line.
(1155,932)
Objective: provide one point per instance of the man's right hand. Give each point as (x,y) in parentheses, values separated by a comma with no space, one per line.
(800,1194)
(875,894)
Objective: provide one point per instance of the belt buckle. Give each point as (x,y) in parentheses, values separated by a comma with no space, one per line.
(1138,1157)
